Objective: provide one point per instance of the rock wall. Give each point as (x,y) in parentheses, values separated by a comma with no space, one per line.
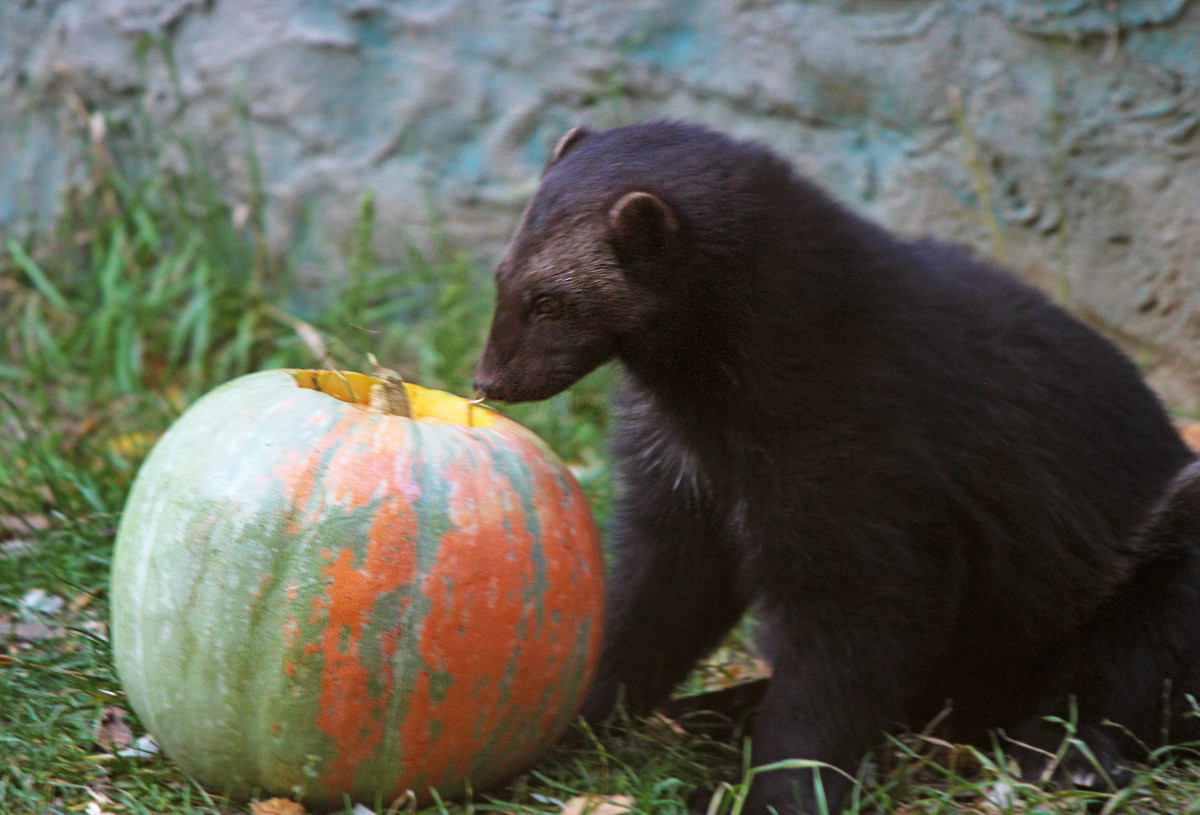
(1062,136)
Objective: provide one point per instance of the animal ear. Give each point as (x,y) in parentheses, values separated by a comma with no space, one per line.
(641,225)
(571,139)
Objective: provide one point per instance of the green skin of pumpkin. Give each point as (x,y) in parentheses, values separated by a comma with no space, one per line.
(319,602)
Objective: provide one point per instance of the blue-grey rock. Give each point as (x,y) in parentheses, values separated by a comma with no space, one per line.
(1061,135)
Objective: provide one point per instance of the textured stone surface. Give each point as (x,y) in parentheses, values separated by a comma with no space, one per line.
(1074,154)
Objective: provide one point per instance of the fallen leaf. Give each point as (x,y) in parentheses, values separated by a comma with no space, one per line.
(36,602)
(132,445)
(24,523)
(668,723)
(81,430)
(97,628)
(80,601)
(730,665)
(98,796)
(36,631)
(276,806)
(16,547)
(144,747)
(599,805)
(1191,435)
(112,732)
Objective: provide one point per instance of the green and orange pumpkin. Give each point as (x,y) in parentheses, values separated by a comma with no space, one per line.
(318,600)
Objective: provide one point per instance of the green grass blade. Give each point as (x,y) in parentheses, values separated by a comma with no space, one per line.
(38,277)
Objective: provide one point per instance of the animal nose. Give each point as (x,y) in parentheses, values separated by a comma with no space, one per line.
(483,383)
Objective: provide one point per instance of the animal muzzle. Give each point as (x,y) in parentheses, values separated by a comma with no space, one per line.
(495,377)
(487,377)
(516,381)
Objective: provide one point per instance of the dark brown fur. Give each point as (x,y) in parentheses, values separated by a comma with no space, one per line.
(930,482)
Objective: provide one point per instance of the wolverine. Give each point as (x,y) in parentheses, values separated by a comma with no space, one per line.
(931,485)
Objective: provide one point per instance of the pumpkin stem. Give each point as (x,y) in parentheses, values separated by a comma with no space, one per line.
(388,395)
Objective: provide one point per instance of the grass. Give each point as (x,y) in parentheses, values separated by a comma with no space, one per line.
(150,294)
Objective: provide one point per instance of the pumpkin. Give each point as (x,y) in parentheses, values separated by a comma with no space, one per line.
(316,599)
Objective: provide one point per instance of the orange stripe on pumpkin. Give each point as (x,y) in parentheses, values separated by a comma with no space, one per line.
(470,628)
(352,471)
(550,641)
(364,475)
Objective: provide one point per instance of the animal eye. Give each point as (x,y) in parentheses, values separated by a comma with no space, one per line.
(544,305)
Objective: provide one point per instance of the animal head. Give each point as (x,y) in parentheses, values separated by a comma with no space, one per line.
(577,278)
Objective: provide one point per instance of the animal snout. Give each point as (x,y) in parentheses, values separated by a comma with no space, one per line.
(484,384)
(498,383)
(488,378)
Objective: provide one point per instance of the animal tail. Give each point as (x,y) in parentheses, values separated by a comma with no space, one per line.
(1174,524)
(1134,670)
